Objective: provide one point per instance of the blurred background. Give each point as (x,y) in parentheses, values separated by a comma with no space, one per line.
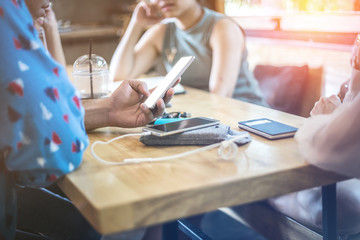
(316,33)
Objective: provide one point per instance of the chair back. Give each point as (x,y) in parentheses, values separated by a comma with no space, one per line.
(291,89)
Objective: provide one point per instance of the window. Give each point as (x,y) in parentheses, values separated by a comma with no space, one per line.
(319,33)
(290,6)
(297,15)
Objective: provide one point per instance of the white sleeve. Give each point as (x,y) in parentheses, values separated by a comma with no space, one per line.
(332,142)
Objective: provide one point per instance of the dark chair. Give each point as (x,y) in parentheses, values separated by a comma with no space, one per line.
(274,225)
(291,89)
(48,215)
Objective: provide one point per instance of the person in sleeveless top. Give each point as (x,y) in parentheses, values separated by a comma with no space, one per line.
(183,28)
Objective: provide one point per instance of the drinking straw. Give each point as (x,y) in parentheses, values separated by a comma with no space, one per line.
(90,66)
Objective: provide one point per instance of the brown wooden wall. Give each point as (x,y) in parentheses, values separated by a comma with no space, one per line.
(217,5)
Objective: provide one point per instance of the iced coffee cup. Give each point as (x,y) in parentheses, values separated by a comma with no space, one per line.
(91,77)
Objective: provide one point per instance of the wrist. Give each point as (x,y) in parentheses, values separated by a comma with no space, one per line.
(96,113)
(354,85)
(137,24)
(356,66)
(50,27)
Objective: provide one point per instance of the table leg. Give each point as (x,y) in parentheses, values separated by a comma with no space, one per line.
(329,212)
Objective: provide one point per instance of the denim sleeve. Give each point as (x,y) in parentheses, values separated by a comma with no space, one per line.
(41,131)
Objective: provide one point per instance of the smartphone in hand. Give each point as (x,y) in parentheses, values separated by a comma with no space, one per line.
(169,80)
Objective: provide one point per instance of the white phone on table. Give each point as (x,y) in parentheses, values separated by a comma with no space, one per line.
(169,80)
(180,126)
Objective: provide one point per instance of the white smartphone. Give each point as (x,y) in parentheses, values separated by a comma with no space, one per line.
(169,80)
(180,126)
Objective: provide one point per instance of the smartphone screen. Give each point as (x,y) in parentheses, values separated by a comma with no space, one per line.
(181,126)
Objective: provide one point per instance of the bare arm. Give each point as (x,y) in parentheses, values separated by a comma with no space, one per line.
(52,36)
(227,43)
(326,105)
(332,141)
(135,53)
(331,138)
(124,108)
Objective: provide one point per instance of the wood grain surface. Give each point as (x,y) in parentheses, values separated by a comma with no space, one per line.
(118,198)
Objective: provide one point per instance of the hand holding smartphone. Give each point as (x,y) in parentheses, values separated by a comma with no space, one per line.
(169,80)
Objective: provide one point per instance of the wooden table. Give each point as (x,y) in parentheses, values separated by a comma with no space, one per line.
(118,198)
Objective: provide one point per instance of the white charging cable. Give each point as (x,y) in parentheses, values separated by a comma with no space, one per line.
(110,141)
(227,150)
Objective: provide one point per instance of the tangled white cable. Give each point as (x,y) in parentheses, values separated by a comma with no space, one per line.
(227,150)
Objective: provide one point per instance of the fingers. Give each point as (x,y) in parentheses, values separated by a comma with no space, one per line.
(169,93)
(355,58)
(160,108)
(325,105)
(160,103)
(147,111)
(317,109)
(343,90)
(334,99)
(354,85)
(156,111)
(357,53)
(139,86)
(177,82)
(39,22)
(168,96)
(152,11)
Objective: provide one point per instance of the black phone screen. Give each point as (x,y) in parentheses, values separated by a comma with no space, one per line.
(183,124)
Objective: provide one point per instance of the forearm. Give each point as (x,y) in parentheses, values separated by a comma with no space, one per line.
(223,77)
(222,86)
(227,45)
(354,86)
(354,83)
(53,42)
(123,61)
(224,70)
(96,113)
(332,141)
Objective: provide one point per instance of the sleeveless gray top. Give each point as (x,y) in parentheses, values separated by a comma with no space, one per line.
(195,42)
